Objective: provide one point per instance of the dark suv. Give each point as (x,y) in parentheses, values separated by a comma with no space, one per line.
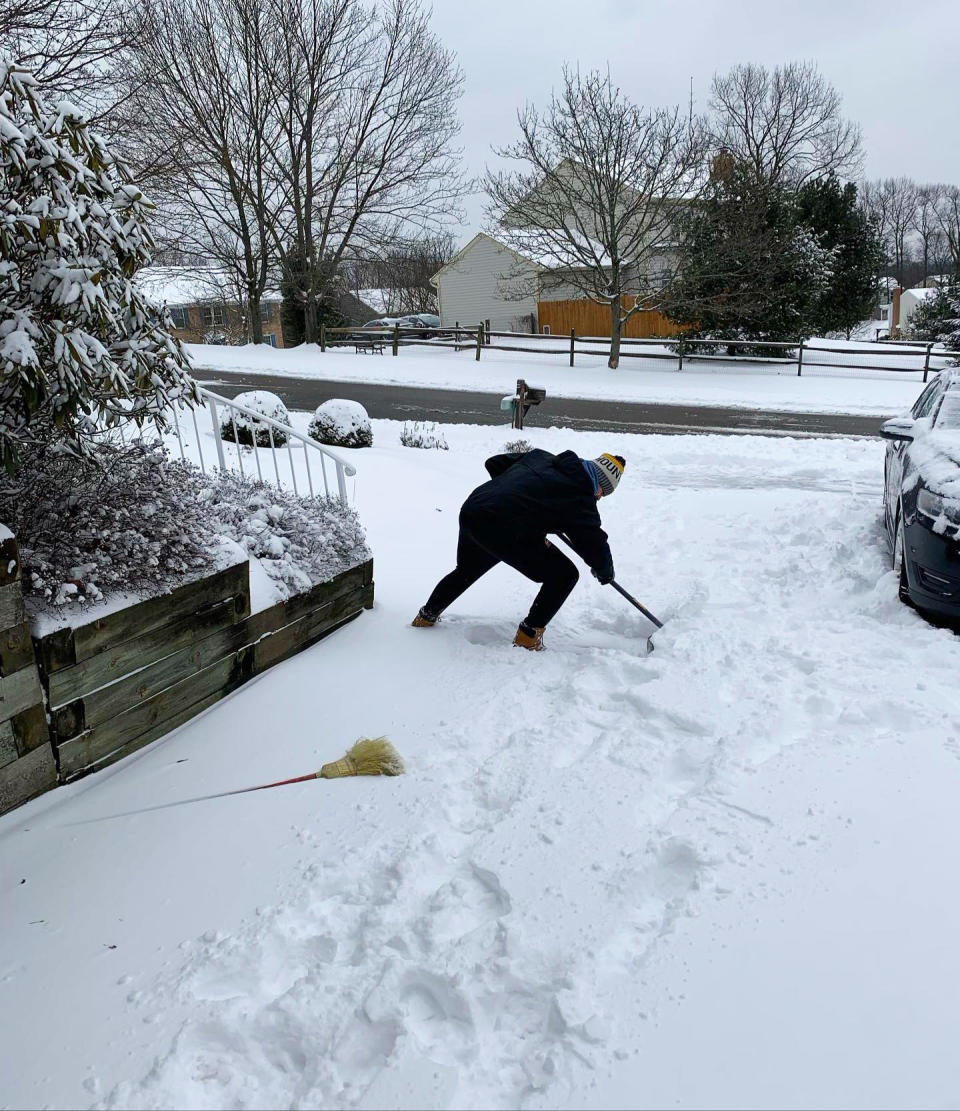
(921,492)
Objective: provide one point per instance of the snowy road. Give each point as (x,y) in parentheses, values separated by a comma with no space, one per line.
(720,875)
(393,402)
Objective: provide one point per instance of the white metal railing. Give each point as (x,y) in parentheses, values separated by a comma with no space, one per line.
(214,402)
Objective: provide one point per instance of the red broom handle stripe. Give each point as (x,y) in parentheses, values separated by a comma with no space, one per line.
(279,783)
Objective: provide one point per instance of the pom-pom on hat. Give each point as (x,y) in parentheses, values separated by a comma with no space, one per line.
(610,470)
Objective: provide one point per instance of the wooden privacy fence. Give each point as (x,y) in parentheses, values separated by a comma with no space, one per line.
(587,318)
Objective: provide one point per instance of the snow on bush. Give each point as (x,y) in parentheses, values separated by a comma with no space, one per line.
(419,434)
(299,541)
(517,447)
(77,341)
(122,519)
(341,423)
(126,519)
(239,428)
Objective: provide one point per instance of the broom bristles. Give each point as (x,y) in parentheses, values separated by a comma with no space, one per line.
(369,756)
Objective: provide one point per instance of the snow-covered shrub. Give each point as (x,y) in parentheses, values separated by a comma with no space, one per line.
(517,447)
(239,428)
(425,435)
(76,338)
(300,541)
(341,423)
(937,319)
(122,518)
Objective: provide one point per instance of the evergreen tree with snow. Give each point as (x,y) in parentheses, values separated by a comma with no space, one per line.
(80,348)
(748,267)
(832,212)
(937,319)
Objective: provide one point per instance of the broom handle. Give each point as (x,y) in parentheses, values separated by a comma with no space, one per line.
(619,589)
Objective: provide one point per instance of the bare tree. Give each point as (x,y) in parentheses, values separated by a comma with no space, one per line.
(893,202)
(70,46)
(204,131)
(402,273)
(598,192)
(948,220)
(785,123)
(926,225)
(366,104)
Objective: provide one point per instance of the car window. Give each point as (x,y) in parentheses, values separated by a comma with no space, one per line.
(949,415)
(925,403)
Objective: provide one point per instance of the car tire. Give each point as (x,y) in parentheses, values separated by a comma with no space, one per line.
(899,560)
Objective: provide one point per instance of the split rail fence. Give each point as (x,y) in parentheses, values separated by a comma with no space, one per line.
(679,350)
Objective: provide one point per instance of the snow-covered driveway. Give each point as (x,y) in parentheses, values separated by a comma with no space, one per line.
(721,875)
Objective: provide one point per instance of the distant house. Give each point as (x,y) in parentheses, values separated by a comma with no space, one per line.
(909,300)
(204,307)
(518,288)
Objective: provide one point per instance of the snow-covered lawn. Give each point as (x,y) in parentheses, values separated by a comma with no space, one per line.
(746,385)
(723,875)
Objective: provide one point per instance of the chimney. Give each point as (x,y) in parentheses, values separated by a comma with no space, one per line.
(895,312)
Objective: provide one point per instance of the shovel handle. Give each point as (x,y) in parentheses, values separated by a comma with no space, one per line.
(633,602)
(616,586)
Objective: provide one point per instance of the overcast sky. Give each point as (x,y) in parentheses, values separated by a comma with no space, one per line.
(895,65)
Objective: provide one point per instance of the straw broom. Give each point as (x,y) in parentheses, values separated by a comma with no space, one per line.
(369,756)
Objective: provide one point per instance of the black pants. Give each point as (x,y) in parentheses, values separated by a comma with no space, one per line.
(483,544)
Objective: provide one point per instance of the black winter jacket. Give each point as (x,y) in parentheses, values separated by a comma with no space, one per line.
(533,493)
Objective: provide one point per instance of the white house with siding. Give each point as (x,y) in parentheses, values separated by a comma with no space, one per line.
(487,280)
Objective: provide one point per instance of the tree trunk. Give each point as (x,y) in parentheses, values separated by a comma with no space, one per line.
(614,361)
(311,330)
(254,323)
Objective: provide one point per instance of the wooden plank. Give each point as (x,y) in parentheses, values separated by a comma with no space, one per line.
(68,647)
(285,613)
(24,779)
(153,734)
(9,561)
(19,691)
(90,709)
(106,667)
(30,729)
(8,744)
(11,606)
(301,634)
(16,648)
(223,676)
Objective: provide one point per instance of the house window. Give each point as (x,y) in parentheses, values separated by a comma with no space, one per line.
(212,316)
(266,311)
(180,316)
(271,339)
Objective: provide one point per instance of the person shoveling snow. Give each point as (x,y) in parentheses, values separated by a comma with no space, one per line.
(506,520)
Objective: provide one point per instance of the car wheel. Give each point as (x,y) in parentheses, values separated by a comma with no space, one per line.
(899,560)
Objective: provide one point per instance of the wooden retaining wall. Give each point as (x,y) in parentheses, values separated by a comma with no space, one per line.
(27,767)
(128,678)
(75,700)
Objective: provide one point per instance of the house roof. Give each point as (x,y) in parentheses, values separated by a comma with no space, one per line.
(922,292)
(467,247)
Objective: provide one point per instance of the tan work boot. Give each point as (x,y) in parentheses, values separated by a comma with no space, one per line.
(529,637)
(423,620)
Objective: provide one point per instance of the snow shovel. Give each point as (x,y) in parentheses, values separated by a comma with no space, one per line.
(626,594)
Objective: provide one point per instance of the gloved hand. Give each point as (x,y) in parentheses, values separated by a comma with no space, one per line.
(603,575)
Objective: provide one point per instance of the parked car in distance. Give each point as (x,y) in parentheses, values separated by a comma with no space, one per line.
(921,497)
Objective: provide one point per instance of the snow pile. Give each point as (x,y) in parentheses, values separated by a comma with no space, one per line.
(718,876)
(240,428)
(342,423)
(298,541)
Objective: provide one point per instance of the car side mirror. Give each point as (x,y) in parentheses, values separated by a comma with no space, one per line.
(898,428)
